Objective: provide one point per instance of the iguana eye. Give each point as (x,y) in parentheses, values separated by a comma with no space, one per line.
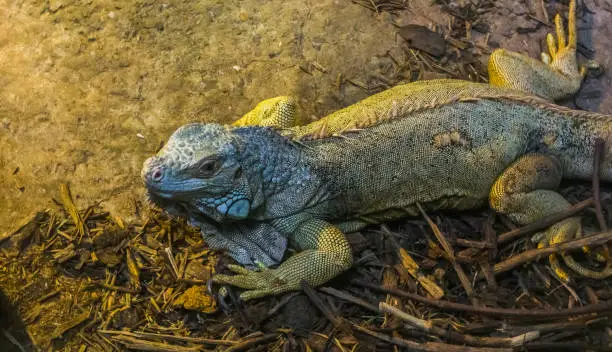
(209,167)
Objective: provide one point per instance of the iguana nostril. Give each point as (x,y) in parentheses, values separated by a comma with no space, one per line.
(157,174)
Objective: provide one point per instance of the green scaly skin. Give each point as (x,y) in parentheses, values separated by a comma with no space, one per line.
(443,144)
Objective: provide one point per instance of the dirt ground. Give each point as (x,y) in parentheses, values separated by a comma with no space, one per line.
(89,89)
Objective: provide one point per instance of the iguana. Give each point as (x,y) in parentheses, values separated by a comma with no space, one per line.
(441,144)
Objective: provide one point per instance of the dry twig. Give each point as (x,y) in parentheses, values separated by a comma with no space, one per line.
(455,337)
(489,311)
(450,255)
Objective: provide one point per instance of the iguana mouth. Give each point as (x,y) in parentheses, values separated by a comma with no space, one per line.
(155,181)
(165,193)
(162,195)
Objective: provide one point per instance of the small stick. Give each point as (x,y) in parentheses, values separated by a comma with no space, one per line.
(170,257)
(471,244)
(146,345)
(568,346)
(577,324)
(487,264)
(286,299)
(316,300)
(424,325)
(249,343)
(468,255)
(450,255)
(455,337)
(51,294)
(169,337)
(487,271)
(72,210)
(599,145)
(426,346)
(413,269)
(350,298)
(491,238)
(591,296)
(544,222)
(597,159)
(500,312)
(239,304)
(133,270)
(411,266)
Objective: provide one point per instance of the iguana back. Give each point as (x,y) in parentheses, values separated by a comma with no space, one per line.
(440,143)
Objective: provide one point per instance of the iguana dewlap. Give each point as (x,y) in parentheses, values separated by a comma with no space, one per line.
(444,144)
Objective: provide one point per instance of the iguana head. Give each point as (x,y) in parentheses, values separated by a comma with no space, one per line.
(199,171)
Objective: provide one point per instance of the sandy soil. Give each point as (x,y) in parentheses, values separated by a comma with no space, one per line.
(89,89)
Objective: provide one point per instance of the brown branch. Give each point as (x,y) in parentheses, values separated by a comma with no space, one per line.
(146,345)
(350,298)
(246,344)
(455,337)
(500,312)
(426,346)
(569,346)
(597,159)
(577,324)
(491,237)
(471,243)
(283,302)
(168,337)
(72,210)
(412,268)
(599,145)
(324,308)
(486,263)
(450,255)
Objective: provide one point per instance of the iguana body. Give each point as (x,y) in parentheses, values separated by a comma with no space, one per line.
(443,144)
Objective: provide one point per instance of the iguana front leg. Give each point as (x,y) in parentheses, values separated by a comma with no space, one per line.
(254,246)
(556,76)
(525,192)
(325,253)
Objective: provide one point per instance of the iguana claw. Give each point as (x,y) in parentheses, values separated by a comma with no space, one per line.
(258,283)
(562,52)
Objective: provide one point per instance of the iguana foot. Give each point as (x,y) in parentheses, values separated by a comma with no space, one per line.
(556,76)
(525,192)
(563,231)
(258,283)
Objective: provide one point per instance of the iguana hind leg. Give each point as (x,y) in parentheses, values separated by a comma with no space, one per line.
(556,76)
(525,192)
(278,112)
